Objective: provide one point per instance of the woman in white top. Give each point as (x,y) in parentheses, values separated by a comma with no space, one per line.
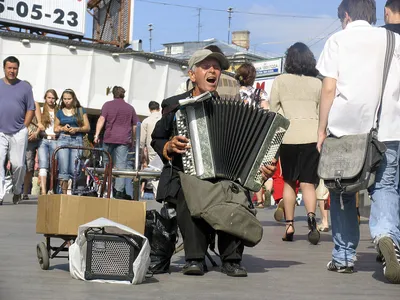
(49,141)
(246,75)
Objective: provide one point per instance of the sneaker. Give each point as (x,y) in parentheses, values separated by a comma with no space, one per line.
(194,267)
(1,202)
(331,266)
(16,198)
(233,269)
(390,259)
(25,197)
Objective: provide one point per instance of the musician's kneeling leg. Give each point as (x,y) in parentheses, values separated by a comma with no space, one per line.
(231,251)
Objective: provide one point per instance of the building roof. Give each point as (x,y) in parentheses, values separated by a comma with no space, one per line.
(87,45)
(230,50)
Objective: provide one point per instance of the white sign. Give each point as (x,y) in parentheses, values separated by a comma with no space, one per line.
(268,67)
(265,84)
(67,16)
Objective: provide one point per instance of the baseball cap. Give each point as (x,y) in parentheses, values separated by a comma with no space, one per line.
(202,54)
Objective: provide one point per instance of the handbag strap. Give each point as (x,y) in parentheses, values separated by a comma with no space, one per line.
(390,45)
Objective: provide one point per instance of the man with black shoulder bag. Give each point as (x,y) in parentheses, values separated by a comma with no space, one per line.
(360,111)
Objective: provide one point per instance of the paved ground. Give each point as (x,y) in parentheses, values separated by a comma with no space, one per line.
(277,270)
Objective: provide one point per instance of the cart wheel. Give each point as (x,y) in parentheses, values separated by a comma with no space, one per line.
(43,256)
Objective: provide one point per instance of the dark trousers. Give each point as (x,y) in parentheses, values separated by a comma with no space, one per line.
(197,235)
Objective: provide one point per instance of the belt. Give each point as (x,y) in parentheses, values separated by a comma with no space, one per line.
(51,137)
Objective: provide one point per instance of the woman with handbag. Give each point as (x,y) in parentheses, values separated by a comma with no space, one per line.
(71,123)
(296,95)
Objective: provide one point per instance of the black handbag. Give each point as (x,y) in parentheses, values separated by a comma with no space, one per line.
(349,163)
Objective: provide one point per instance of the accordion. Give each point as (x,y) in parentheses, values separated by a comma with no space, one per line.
(110,256)
(229,139)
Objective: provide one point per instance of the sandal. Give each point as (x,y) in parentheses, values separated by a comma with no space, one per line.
(260,205)
(288,236)
(322,228)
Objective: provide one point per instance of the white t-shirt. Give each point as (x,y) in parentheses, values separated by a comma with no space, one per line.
(355,58)
(50,130)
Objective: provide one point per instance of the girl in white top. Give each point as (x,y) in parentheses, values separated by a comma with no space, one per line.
(49,142)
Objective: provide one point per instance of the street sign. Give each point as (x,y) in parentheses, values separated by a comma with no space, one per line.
(64,16)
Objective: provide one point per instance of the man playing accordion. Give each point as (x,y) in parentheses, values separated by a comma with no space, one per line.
(204,72)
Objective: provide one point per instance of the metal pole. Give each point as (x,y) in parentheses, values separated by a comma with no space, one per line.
(150,36)
(198,25)
(230,10)
(136,181)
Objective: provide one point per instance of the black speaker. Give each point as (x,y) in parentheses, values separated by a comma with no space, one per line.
(110,256)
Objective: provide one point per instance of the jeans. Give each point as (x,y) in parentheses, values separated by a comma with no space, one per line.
(119,155)
(13,145)
(46,150)
(345,228)
(66,157)
(385,207)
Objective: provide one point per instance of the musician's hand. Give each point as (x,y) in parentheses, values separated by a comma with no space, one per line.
(268,171)
(178,144)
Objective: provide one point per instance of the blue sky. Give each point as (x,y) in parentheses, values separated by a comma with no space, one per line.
(269,34)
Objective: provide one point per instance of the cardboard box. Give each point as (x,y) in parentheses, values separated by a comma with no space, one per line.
(63,214)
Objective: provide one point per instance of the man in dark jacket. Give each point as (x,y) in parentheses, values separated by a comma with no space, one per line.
(392,15)
(204,71)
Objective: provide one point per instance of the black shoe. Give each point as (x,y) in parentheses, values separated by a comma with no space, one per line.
(1,202)
(119,195)
(233,269)
(313,234)
(390,259)
(16,198)
(332,266)
(194,267)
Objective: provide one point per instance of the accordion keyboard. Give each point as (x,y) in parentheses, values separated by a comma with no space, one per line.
(182,129)
(271,152)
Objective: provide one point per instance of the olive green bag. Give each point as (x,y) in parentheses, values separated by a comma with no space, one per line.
(223,205)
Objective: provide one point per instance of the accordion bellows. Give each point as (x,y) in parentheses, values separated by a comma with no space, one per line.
(229,139)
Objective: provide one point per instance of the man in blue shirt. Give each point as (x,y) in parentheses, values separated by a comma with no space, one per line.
(16,113)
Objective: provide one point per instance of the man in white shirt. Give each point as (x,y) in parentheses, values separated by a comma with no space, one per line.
(352,62)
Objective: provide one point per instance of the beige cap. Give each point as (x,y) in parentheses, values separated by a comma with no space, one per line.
(202,54)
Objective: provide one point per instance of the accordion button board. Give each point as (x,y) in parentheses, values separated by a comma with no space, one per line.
(229,139)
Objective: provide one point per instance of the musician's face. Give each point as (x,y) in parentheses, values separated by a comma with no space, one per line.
(206,75)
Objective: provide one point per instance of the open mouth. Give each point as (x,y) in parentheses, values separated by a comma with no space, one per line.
(211,80)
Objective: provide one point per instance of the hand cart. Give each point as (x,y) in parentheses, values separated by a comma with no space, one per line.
(45,251)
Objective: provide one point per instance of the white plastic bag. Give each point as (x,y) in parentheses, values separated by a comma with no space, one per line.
(77,252)
(321,191)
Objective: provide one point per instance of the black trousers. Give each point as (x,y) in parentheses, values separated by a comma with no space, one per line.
(197,235)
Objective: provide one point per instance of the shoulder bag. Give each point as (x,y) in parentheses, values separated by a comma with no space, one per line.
(348,164)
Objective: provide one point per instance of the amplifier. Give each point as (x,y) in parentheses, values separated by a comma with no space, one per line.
(111,256)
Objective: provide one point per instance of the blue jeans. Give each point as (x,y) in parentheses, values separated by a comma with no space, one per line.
(119,155)
(46,150)
(385,207)
(66,157)
(345,229)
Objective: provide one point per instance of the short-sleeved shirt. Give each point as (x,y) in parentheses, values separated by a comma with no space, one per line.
(355,58)
(15,101)
(119,119)
(71,120)
(248,95)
